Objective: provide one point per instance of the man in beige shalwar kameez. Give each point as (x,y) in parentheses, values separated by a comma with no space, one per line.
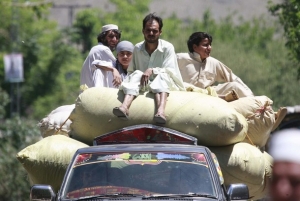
(201,70)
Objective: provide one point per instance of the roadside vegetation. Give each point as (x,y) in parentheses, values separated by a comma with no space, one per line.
(265,56)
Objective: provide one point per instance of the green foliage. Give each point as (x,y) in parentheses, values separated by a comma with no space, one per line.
(55,78)
(16,134)
(51,65)
(4,100)
(289,15)
(86,28)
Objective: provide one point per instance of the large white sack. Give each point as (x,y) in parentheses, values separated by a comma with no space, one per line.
(57,121)
(264,189)
(208,118)
(260,117)
(46,161)
(243,163)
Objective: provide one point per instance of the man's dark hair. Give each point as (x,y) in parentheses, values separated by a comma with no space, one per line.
(196,38)
(101,36)
(151,17)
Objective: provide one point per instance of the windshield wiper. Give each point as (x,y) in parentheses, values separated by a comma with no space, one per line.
(109,196)
(180,195)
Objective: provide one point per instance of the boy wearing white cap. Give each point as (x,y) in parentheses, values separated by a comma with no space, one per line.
(285,150)
(98,68)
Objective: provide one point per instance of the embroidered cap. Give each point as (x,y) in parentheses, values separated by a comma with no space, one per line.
(109,27)
(124,46)
(285,145)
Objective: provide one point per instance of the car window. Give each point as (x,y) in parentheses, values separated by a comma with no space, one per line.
(144,173)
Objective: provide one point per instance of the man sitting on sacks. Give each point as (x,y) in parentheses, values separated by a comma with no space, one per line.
(154,68)
(104,74)
(201,70)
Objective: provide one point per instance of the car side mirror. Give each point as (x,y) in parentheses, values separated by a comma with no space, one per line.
(42,192)
(238,192)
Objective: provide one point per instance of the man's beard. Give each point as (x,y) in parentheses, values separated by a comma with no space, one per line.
(151,40)
(112,48)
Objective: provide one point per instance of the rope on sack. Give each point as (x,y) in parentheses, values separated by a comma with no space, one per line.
(250,139)
(260,111)
(61,125)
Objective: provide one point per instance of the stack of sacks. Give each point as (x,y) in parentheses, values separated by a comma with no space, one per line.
(221,125)
(260,117)
(47,160)
(57,121)
(244,163)
(210,119)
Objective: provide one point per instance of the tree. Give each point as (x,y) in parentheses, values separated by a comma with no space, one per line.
(289,16)
(51,65)
(16,134)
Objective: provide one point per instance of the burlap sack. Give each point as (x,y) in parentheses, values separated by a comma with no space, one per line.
(243,163)
(260,117)
(47,160)
(264,189)
(208,118)
(57,121)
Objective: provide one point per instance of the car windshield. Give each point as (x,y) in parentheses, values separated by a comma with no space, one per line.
(143,174)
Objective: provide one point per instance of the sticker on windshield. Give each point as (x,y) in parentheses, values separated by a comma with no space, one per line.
(171,156)
(218,168)
(142,158)
(123,156)
(82,158)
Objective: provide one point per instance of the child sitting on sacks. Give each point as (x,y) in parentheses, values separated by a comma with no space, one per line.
(154,67)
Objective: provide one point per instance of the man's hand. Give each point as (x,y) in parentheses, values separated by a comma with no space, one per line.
(146,76)
(117,78)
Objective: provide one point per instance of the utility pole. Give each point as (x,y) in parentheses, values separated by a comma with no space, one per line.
(71,10)
(14,85)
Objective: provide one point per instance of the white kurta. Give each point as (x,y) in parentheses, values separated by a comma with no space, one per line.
(207,73)
(166,76)
(93,76)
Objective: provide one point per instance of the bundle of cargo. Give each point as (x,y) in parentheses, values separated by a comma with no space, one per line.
(46,161)
(57,121)
(210,119)
(260,118)
(229,129)
(245,163)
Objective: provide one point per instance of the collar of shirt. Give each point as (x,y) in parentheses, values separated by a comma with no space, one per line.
(158,48)
(197,57)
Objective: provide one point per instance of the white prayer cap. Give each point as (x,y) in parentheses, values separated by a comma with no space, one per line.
(109,27)
(124,46)
(285,145)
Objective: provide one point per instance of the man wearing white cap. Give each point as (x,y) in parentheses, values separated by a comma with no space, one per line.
(285,150)
(98,68)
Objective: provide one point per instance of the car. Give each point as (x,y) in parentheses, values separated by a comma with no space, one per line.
(143,162)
